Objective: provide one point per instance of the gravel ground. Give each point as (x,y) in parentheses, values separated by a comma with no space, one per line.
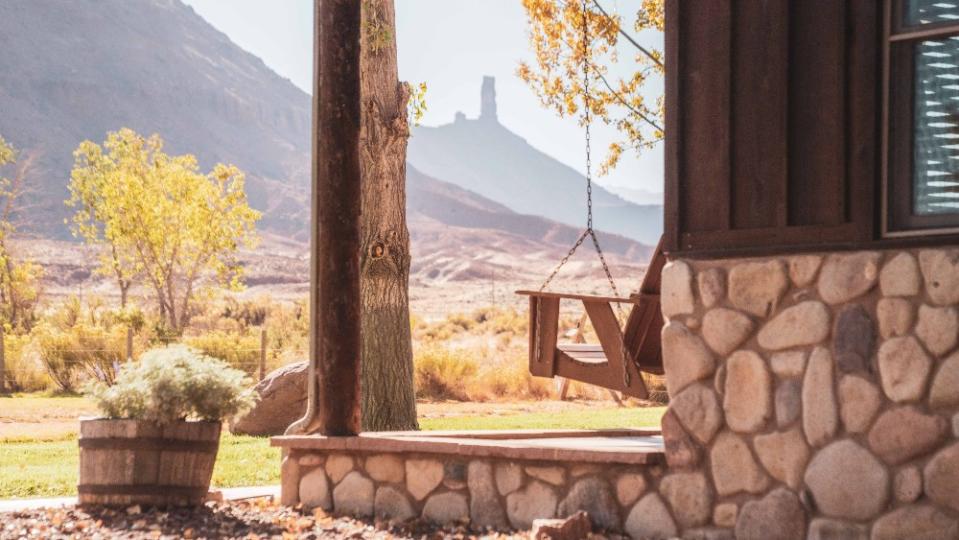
(259,518)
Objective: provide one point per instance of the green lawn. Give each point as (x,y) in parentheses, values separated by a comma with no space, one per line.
(46,465)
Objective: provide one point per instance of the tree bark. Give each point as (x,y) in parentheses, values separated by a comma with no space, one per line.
(388,398)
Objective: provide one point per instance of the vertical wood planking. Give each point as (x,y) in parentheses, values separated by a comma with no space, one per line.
(674,137)
(817,94)
(862,99)
(704,90)
(759,113)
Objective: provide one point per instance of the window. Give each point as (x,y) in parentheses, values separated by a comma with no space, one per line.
(922,88)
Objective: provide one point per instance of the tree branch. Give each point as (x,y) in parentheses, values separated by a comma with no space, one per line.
(626,104)
(629,38)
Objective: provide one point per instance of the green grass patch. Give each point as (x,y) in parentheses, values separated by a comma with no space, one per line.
(48,468)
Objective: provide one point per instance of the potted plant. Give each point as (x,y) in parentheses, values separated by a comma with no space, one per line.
(160,431)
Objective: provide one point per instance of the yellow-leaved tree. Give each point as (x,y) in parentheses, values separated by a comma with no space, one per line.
(19,279)
(161,220)
(565,34)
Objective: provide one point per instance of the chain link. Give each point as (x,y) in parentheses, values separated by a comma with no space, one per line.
(590,232)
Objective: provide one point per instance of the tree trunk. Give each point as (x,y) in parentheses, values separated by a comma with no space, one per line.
(389,401)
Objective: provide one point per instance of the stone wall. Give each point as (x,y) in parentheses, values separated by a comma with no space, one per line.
(494,493)
(815,394)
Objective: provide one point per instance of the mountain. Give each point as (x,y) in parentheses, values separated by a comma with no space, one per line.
(453,207)
(637,196)
(485,157)
(74,70)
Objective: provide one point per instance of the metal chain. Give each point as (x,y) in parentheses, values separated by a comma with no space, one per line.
(589,173)
(589,203)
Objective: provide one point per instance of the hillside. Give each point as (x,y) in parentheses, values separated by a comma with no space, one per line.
(485,157)
(74,70)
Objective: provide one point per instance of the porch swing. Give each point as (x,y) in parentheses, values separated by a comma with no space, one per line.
(622,354)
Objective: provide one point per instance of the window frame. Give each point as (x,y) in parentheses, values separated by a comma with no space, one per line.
(898,52)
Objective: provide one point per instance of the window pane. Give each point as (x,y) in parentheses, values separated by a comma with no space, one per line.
(936,117)
(931,11)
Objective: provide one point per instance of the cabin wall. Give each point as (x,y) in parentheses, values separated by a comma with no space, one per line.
(816,394)
(772,123)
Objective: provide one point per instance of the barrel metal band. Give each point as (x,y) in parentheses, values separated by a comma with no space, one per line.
(149,443)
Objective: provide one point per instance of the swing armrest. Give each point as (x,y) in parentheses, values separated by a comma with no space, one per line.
(633,299)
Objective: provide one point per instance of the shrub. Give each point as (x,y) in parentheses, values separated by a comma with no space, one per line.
(441,373)
(175,383)
(23,368)
(240,351)
(80,352)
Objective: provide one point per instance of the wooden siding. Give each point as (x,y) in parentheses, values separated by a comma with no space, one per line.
(771,123)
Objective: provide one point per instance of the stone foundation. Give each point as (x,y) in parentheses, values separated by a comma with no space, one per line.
(501,480)
(814,395)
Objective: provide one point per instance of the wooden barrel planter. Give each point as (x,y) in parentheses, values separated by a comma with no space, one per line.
(127,462)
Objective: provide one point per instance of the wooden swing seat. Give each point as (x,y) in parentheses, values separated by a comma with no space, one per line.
(601,364)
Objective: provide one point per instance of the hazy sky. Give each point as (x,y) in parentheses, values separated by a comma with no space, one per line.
(449,44)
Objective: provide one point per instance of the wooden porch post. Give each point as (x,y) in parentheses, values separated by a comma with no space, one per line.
(335,280)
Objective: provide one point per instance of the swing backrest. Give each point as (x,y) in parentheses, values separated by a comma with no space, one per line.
(642,333)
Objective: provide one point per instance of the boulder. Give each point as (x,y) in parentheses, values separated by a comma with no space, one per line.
(536,501)
(726,329)
(697,408)
(853,339)
(803,269)
(820,414)
(282,401)
(485,508)
(895,317)
(833,529)
(847,276)
(391,503)
(629,487)
(846,481)
(777,516)
(677,289)
(650,519)
(733,467)
(685,357)
(315,490)
(900,276)
(445,508)
(757,287)
(712,286)
(917,522)
(938,328)
(859,400)
(748,397)
(594,497)
(940,272)
(689,496)
(945,386)
(806,323)
(354,496)
(784,455)
(941,477)
(904,369)
(903,433)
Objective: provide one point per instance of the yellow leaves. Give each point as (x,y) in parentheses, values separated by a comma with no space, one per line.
(7,153)
(556,35)
(416,106)
(164,221)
